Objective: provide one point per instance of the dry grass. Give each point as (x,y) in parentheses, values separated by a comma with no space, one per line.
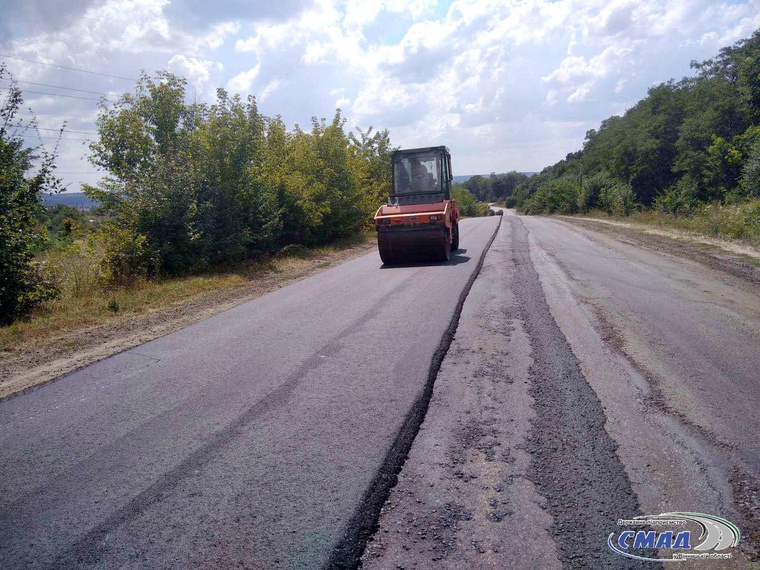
(739,223)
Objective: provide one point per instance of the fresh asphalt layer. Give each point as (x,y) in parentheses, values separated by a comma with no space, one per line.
(248,440)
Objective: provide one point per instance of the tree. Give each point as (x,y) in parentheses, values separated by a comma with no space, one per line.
(480,187)
(375,149)
(192,186)
(236,210)
(327,183)
(25,173)
(145,145)
(687,143)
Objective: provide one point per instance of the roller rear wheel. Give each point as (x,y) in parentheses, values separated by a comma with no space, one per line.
(455,237)
(386,251)
(445,253)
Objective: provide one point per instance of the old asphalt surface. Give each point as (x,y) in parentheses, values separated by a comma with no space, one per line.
(502,416)
(589,380)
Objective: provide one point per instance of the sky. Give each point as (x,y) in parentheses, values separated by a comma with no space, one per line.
(506,85)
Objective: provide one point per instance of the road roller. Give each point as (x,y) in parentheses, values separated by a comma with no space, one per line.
(420,222)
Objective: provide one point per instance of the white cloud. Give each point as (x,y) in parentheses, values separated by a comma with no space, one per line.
(505,84)
(243,81)
(271,87)
(577,75)
(198,71)
(316,52)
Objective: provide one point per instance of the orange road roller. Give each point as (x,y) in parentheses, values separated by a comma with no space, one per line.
(420,222)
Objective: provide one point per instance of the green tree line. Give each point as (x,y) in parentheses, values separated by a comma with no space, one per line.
(496,187)
(191,186)
(688,143)
(188,187)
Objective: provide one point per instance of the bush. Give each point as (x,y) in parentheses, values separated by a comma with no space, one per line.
(750,180)
(468,203)
(618,199)
(599,191)
(558,196)
(127,258)
(195,186)
(40,285)
(23,284)
(77,266)
(680,198)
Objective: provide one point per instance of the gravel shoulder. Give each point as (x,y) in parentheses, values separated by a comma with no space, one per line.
(735,258)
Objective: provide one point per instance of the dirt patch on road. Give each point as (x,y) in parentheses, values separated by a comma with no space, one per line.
(31,364)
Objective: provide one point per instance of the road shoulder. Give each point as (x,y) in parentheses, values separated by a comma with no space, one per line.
(739,260)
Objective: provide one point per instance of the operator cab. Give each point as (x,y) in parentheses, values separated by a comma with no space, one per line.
(421,176)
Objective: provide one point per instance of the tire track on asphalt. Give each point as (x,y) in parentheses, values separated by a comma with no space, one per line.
(87,550)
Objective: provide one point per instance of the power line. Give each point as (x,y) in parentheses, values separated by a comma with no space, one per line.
(54,138)
(66,131)
(69,68)
(55,94)
(60,87)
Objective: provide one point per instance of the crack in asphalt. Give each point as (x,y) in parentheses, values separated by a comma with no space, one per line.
(574,462)
(363,524)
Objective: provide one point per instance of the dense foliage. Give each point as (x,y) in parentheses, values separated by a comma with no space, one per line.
(497,187)
(469,205)
(687,144)
(25,172)
(191,185)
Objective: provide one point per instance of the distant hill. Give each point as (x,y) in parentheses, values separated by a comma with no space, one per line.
(460,179)
(73,199)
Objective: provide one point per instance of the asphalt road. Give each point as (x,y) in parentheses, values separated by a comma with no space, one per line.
(248,440)
(591,379)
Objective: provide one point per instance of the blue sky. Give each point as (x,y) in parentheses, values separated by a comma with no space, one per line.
(507,85)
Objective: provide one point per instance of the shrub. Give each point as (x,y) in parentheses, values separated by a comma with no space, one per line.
(77,266)
(558,196)
(680,198)
(598,191)
(468,203)
(750,180)
(126,257)
(618,199)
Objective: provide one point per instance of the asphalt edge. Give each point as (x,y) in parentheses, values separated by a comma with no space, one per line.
(364,522)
